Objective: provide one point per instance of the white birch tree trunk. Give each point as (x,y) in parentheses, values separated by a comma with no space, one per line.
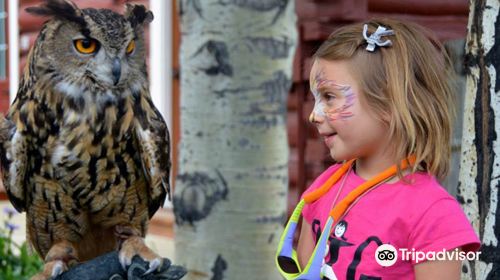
(231,192)
(480,165)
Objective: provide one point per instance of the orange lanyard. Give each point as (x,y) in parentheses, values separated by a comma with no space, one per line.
(347,201)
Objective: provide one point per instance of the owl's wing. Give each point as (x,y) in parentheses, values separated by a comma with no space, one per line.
(14,156)
(154,148)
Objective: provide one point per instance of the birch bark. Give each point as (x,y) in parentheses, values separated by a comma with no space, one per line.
(480,165)
(231,193)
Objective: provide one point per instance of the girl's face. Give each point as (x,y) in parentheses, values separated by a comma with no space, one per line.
(349,127)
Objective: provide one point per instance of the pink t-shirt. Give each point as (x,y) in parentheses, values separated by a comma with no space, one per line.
(420,216)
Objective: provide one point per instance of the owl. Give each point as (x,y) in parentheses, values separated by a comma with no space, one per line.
(83,149)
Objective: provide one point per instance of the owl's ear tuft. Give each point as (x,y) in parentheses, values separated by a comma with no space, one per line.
(138,14)
(63,9)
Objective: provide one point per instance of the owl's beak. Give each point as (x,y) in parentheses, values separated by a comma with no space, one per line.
(116,70)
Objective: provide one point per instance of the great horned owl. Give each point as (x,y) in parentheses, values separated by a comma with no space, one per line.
(87,153)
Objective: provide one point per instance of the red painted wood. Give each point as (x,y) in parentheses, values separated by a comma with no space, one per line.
(297,60)
(445,27)
(292,129)
(293,102)
(4,86)
(293,166)
(340,10)
(421,7)
(4,96)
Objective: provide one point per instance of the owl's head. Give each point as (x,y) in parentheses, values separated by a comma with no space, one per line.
(91,46)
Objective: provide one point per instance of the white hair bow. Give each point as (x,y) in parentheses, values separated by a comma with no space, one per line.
(375,38)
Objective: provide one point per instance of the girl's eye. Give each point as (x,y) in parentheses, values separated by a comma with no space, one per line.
(328,96)
(130,47)
(86,45)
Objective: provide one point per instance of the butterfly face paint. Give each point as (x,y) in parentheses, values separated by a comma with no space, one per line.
(332,100)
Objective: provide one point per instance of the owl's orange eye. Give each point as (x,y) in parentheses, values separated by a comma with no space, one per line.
(86,45)
(131,47)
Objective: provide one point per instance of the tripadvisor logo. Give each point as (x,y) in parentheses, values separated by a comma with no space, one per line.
(387,255)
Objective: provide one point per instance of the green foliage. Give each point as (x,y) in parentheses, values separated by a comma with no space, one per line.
(16,262)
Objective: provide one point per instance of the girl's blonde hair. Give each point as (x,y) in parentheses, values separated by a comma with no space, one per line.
(409,81)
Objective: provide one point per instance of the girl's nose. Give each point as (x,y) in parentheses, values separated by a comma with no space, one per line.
(315,118)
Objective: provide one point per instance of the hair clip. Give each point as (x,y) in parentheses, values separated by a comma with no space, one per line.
(375,38)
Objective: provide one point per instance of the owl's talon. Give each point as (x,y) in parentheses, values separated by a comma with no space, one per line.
(135,246)
(124,261)
(154,265)
(59,268)
(51,270)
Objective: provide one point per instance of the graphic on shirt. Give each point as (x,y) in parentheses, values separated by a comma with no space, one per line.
(337,240)
(340,229)
(327,272)
(357,259)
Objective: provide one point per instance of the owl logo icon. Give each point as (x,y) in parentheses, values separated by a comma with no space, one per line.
(386,255)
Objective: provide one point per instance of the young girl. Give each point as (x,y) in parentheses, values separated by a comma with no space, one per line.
(383,104)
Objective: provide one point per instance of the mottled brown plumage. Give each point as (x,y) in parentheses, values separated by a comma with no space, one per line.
(85,151)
